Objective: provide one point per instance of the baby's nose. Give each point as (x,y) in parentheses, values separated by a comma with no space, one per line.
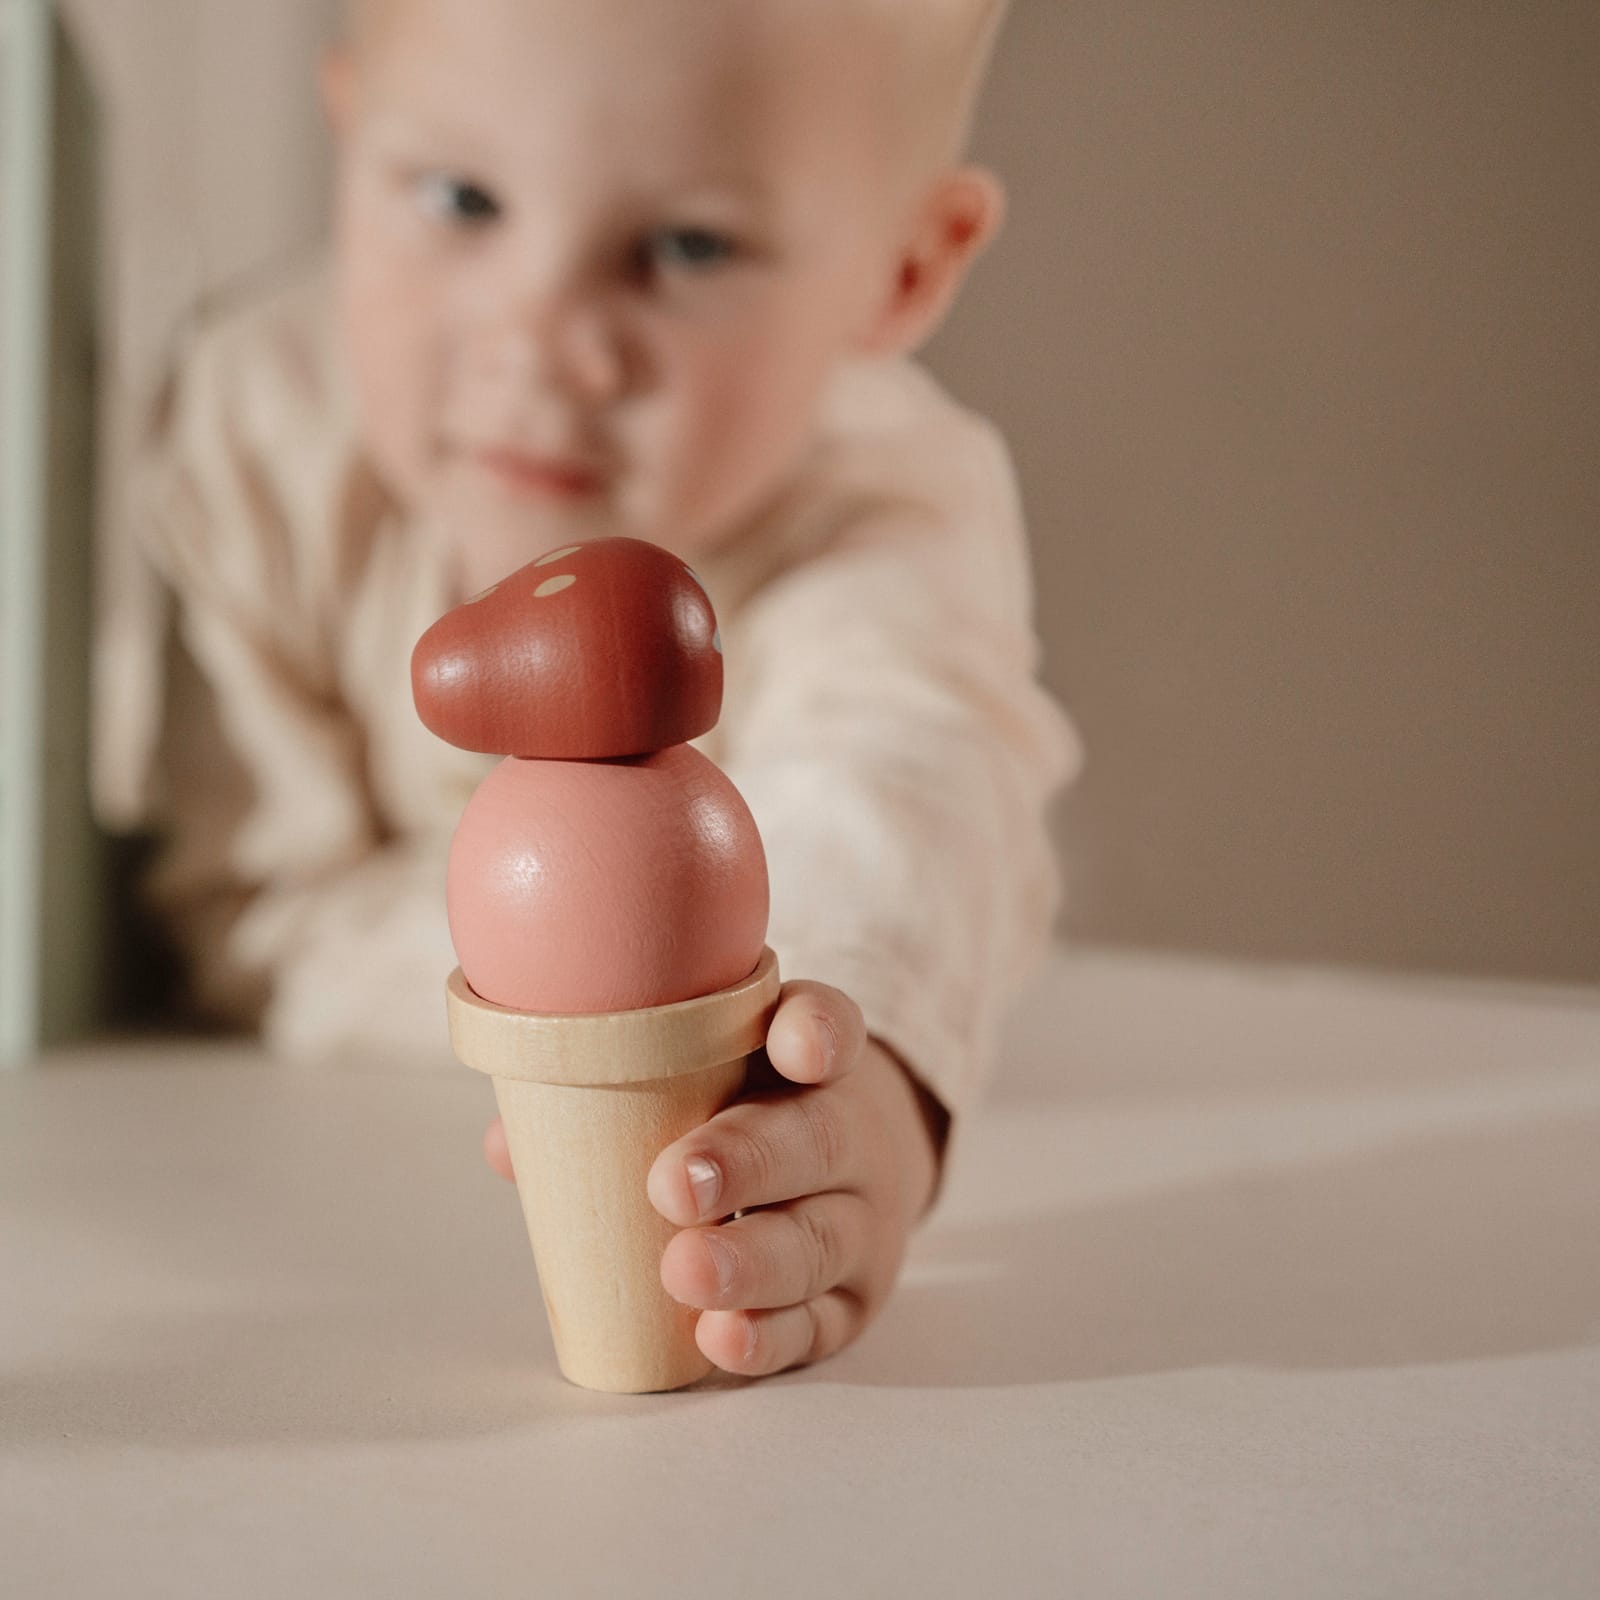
(570,350)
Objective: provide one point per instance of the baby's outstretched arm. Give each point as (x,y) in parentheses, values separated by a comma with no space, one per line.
(832,1157)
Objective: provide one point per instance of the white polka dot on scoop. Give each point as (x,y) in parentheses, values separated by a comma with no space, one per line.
(556,555)
(555,585)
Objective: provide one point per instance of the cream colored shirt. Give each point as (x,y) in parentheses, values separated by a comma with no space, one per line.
(882,715)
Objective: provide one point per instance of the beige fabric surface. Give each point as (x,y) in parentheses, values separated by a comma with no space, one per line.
(882,716)
(1251,1285)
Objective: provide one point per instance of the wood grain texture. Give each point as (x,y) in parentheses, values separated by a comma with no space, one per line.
(588,1103)
(614,1047)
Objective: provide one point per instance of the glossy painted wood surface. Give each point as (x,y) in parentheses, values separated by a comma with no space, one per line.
(583,886)
(594,651)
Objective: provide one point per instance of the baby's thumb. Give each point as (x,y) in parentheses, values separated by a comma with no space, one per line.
(496,1151)
(816,1034)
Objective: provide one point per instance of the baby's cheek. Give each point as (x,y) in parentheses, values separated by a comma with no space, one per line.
(383,381)
(391,385)
(385,342)
(736,454)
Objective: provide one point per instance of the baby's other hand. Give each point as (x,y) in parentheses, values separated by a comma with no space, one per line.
(831,1154)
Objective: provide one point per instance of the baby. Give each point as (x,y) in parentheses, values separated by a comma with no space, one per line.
(656,268)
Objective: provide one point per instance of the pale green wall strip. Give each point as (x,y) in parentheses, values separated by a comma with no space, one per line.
(25,47)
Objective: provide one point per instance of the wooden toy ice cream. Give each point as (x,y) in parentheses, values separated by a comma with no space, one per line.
(607,897)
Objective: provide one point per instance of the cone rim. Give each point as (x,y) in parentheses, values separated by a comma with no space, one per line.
(613,1047)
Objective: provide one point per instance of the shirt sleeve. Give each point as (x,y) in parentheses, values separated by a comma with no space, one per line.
(900,758)
(295,907)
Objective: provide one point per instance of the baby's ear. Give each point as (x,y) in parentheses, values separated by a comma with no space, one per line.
(958,217)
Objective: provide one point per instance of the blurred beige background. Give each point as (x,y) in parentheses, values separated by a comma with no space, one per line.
(1295,334)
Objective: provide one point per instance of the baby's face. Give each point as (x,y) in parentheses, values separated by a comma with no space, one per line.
(598,257)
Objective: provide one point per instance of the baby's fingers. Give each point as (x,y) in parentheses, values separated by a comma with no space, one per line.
(755,1343)
(777,1256)
(817,1032)
(760,1152)
(496,1151)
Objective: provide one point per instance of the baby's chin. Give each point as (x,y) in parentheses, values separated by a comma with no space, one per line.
(492,521)
(490,533)
(489,528)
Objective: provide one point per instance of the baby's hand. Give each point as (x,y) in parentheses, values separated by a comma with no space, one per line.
(840,1168)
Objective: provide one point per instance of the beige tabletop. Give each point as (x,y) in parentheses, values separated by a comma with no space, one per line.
(1247,1283)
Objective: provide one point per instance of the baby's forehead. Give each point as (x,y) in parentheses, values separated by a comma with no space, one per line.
(886,27)
(630,72)
(790,86)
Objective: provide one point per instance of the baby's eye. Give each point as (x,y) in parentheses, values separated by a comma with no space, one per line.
(690,249)
(456,200)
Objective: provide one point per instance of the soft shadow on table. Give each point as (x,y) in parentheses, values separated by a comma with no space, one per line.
(1449,1249)
(293,1296)
(1454,1247)
(367,1365)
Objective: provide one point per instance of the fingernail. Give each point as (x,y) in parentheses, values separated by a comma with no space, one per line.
(830,1043)
(705,1180)
(722,1260)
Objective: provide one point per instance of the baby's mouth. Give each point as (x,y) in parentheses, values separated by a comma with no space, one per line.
(546,477)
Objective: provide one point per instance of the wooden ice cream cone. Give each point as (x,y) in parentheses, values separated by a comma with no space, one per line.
(604,864)
(589,1100)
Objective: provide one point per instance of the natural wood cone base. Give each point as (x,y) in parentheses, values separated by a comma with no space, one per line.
(581,1157)
(582,1151)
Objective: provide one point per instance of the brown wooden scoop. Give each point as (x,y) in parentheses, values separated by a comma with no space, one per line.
(594,651)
